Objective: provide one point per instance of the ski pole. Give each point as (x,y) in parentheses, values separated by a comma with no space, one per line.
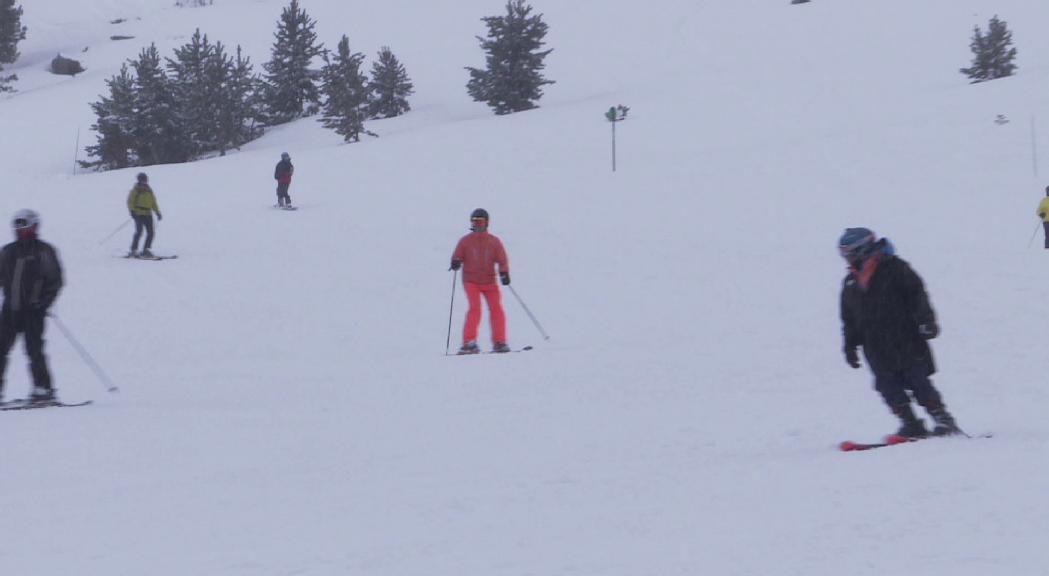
(114,233)
(1033,234)
(448,341)
(110,387)
(529,312)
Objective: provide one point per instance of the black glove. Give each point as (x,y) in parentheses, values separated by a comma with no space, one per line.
(159,216)
(456,264)
(505,278)
(852,358)
(929,330)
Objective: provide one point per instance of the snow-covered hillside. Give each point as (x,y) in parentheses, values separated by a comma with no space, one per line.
(286,406)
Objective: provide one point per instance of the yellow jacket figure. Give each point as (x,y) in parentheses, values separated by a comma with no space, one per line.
(1043,213)
(141,204)
(1043,207)
(141,201)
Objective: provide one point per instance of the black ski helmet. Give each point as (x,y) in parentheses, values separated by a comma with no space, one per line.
(479,214)
(142,177)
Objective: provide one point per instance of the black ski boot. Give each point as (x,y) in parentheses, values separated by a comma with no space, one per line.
(912,427)
(42,395)
(945,424)
(469,347)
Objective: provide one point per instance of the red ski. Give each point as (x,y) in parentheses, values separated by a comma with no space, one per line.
(895,440)
(890,440)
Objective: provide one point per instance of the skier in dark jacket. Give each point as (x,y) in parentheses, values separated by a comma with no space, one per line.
(31,276)
(282,174)
(885,309)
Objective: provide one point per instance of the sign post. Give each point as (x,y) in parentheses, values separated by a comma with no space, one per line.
(614,115)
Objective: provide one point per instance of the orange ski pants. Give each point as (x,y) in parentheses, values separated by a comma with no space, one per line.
(473,315)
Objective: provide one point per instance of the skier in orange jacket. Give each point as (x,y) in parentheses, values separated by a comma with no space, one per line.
(477,254)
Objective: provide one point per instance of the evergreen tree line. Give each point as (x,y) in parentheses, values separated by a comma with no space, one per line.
(160,111)
(206,100)
(11,33)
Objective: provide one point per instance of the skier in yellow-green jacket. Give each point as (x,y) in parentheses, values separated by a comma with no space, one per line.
(1043,213)
(141,204)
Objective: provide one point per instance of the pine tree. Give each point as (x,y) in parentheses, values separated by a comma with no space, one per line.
(11,33)
(113,149)
(290,89)
(390,87)
(512,80)
(195,91)
(346,93)
(159,137)
(992,54)
(237,99)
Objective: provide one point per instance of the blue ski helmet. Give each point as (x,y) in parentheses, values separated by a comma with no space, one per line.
(856,243)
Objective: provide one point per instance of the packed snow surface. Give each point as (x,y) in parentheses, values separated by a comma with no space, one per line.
(286,405)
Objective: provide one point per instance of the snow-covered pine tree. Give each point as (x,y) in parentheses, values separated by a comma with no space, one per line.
(346,93)
(290,90)
(115,116)
(390,87)
(513,79)
(993,54)
(237,100)
(158,133)
(11,33)
(196,93)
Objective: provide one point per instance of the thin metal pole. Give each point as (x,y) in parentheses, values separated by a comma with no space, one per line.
(113,233)
(1034,147)
(529,312)
(1033,234)
(102,377)
(613,145)
(76,150)
(448,341)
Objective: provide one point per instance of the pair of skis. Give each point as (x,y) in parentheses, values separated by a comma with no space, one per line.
(166,257)
(128,256)
(896,440)
(525,349)
(30,405)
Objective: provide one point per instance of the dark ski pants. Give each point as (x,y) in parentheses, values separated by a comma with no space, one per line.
(893,387)
(146,223)
(1045,226)
(282,193)
(31,325)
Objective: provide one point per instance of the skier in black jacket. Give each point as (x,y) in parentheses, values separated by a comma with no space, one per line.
(31,276)
(885,309)
(282,174)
